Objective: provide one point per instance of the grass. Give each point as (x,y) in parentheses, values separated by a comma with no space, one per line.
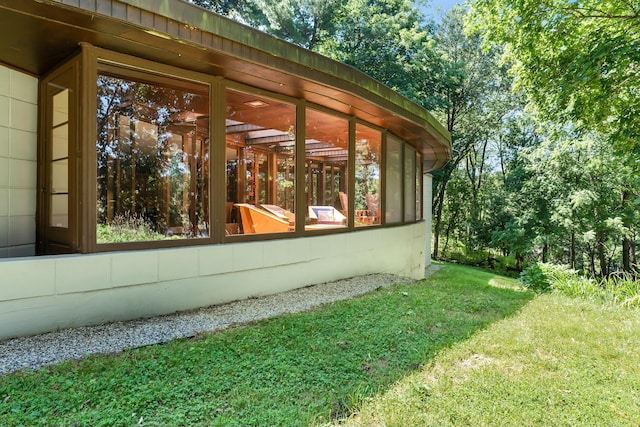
(465,347)
(560,361)
(301,369)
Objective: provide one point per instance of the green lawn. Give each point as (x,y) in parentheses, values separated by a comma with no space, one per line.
(558,362)
(465,347)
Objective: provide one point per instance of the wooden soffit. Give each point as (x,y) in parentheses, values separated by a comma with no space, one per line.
(35,35)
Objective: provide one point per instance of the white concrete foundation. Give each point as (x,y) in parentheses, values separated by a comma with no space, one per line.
(40,294)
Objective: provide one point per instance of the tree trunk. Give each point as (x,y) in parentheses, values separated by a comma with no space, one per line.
(438,216)
(592,261)
(626,254)
(572,250)
(601,255)
(627,243)
(518,259)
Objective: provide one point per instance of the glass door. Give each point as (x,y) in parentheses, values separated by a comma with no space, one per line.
(57,213)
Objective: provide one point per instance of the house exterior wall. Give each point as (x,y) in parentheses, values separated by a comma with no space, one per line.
(41,294)
(427,213)
(18,152)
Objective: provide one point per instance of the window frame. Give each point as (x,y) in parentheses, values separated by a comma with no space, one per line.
(91,61)
(99,61)
(350,120)
(381,172)
(225,86)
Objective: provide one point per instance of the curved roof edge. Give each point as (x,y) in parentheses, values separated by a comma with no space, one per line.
(185,35)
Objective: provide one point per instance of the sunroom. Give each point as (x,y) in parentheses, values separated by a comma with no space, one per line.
(156,157)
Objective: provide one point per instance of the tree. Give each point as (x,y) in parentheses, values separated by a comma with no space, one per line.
(579,60)
(306,23)
(386,40)
(579,63)
(475,95)
(245,11)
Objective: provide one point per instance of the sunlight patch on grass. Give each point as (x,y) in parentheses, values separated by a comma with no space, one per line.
(505,283)
(297,369)
(560,361)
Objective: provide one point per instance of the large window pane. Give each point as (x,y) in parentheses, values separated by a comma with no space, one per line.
(60,141)
(260,154)
(153,155)
(409,183)
(59,161)
(326,160)
(367,175)
(60,210)
(394,181)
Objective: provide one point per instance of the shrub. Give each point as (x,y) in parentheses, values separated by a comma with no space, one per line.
(571,283)
(620,289)
(542,277)
(460,254)
(534,278)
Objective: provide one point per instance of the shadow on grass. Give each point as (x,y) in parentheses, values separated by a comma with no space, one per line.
(292,370)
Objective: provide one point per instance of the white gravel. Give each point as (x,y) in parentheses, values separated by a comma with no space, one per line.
(37,351)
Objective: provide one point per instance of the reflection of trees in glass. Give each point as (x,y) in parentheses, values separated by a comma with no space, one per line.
(232,180)
(333,185)
(285,181)
(393,181)
(367,173)
(263,179)
(151,148)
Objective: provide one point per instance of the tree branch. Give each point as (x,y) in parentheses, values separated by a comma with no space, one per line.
(584,13)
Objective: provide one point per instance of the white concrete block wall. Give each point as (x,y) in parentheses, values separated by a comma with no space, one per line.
(427,214)
(18,156)
(40,294)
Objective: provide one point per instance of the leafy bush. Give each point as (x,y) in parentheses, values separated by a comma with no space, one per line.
(505,265)
(481,258)
(620,289)
(571,283)
(534,278)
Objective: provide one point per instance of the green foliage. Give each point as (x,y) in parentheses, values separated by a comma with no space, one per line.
(461,254)
(245,11)
(534,278)
(563,196)
(621,289)
(477,104)
(306,23)
(297,369)
(543,277)
(387,40)
(577,59)
(126,228)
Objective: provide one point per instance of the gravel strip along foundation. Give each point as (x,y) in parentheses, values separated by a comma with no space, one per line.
(37,351)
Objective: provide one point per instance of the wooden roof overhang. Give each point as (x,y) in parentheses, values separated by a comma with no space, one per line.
(35,35)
